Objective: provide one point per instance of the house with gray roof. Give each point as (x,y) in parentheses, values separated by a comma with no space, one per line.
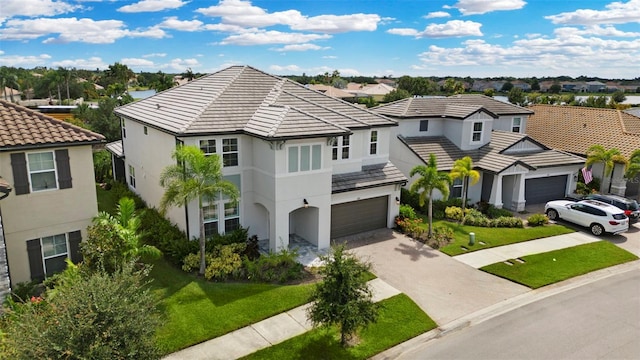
(306,164)
(515,169)
(49,194)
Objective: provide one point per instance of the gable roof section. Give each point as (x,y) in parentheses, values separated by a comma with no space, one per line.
(437,106)
(283,122)
(23,128)
(490,157)
(370,176)
(228,102)
(575,128)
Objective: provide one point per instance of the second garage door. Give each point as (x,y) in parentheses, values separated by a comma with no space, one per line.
(358,216)
(541,190)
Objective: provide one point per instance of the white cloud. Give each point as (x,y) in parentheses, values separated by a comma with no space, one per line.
(91,63)
(330,57)
(302,47)
(477,7)
(594,30)
(172,22)
(453,28)
(152,6)
(179,65)
(281,69)
(73,30)
(137,62)
(34,8)
(349,72)
(437,14)
(28,61)
(338,23)
(271,37)
(154,55)
(616,13)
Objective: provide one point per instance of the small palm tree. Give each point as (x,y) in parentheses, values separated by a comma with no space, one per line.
(633,166)
(126,224)
(195,176)
(430,179)
(463,170)
(596,154)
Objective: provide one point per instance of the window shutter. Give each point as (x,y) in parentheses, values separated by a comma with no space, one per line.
(64,170)
(75,237)
(20,174)
(35,259)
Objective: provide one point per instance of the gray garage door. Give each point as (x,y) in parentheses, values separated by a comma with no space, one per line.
(358,216)
(541,190)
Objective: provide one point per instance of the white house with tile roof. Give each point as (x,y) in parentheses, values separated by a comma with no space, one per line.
(515,169)
(305,163)
(49,165)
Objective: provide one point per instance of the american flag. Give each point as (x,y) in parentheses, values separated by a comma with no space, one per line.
(587,174)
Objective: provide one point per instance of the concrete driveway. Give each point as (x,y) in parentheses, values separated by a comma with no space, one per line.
(443,287)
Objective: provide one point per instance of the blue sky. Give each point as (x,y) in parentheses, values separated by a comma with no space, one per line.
(477,38)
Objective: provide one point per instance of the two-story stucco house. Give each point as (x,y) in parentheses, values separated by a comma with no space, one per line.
(49,165)
(305,163)
(515,168)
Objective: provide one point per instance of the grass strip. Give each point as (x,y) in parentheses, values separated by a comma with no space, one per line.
(492,237)
(547,268)
(196,310)
(400,320)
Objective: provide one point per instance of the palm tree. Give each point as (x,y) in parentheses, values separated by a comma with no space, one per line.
(127,224)
(195,176)
(8,79)
(463,170)
(163,82)
(430,179)
(596,154)
(633,166)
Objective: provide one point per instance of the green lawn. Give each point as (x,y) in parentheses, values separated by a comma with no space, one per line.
(106,200)
(492,237)
(196,310)
(547,268)
(400,320)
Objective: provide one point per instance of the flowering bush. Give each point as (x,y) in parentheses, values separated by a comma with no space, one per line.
(411,227)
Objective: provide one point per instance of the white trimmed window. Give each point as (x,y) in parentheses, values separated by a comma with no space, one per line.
(208,147)
(132,176)
(54,253)
(476,134)
(304,158)
(42,171)
(231,217)
(373,142)
(456,188)
(341,148)
(210,214)
(516,125)
(230,152)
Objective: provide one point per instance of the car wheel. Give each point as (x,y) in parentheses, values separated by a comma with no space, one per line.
(552,214)
(597,229)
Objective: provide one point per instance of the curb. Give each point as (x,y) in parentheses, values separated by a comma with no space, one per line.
(503,307)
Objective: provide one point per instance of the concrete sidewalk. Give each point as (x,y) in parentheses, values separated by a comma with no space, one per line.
(478,259)
(265,333)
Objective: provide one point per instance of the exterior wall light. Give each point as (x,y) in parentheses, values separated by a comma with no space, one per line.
(306,203)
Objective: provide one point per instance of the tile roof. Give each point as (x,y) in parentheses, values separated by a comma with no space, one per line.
(491,157)
(370,176)
(438,106)
(575,128)
(238,99)
(331,91)
(115,148)
(21,127)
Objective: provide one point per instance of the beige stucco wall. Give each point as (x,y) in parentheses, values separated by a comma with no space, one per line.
(46,213)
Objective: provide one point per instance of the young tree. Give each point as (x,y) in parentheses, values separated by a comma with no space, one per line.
(452,86)
(195,176)
(163,82)
(343,298)
(396,94)
(633,165)
(596,154)
(517,96)
(430,179)
(463,170)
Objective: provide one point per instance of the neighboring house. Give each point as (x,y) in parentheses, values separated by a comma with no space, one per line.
(375,91)
(594,86)
(576,128)
(305,163)
(333,92)
(10,94)
(515,168)
(49,164)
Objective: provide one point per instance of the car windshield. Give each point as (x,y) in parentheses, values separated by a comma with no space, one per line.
(633,206)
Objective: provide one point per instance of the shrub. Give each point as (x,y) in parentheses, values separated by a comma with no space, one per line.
(409,198)
(102,165)
(494,212)
(278,267)
(23,291)
(439,207)
(160,232)
(191,262)
(474,217)
(507,221)
(225,263)
(537,220)
(442,235)
(103,249)
(411,227)
(407,212)
(454,213)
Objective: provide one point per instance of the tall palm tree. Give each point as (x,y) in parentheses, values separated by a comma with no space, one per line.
(195,176)
(430,179)
(463,170)
(596,154)
(633,166)
(127,224)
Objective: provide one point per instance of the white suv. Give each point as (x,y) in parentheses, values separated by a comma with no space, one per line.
(596,215)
